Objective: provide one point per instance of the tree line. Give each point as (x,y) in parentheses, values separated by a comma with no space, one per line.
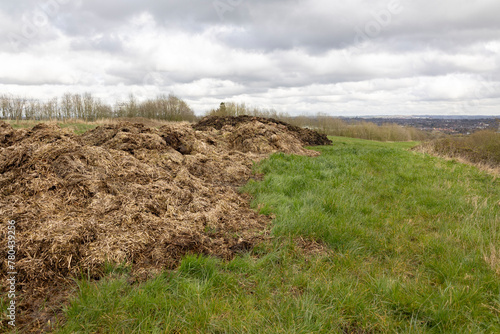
(89,108)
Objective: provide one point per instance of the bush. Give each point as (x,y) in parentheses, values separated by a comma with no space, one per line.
(168,108)
(479,147)
(364,130)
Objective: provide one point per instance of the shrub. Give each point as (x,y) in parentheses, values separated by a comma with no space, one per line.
(479,147)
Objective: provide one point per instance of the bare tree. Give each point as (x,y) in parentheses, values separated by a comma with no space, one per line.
(50,109)
(67,106)
(78,106)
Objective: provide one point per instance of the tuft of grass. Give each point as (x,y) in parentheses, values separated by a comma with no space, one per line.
(413,244)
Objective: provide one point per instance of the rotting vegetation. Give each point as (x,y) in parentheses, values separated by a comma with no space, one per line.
(127,193)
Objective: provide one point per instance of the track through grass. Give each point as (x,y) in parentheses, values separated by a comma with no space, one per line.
(412,246)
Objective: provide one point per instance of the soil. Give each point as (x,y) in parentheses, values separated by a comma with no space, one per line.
(128,193)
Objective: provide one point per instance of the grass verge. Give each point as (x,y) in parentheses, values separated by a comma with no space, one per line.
(411,245)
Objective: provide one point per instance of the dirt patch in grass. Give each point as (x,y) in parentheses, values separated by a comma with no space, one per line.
(126,193)
(311,247)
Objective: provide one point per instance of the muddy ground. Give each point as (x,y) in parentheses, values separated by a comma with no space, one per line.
(128,193)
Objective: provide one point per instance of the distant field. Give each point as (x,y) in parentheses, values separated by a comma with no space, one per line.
(368,238)
(79,126)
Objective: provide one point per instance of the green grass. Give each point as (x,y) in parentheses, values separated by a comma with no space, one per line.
(414,247)
(78,127)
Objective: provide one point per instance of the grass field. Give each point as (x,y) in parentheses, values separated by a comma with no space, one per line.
(403,243)
(78,127)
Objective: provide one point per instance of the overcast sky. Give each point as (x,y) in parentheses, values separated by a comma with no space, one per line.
(343,57)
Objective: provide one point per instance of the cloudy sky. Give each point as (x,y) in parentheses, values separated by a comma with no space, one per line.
(339,57)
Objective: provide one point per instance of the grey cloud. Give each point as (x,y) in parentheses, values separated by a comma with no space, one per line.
(443,24)
(108,43)
(279,24)
(271,25)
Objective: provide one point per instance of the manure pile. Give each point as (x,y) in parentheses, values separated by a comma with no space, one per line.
(127,193)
